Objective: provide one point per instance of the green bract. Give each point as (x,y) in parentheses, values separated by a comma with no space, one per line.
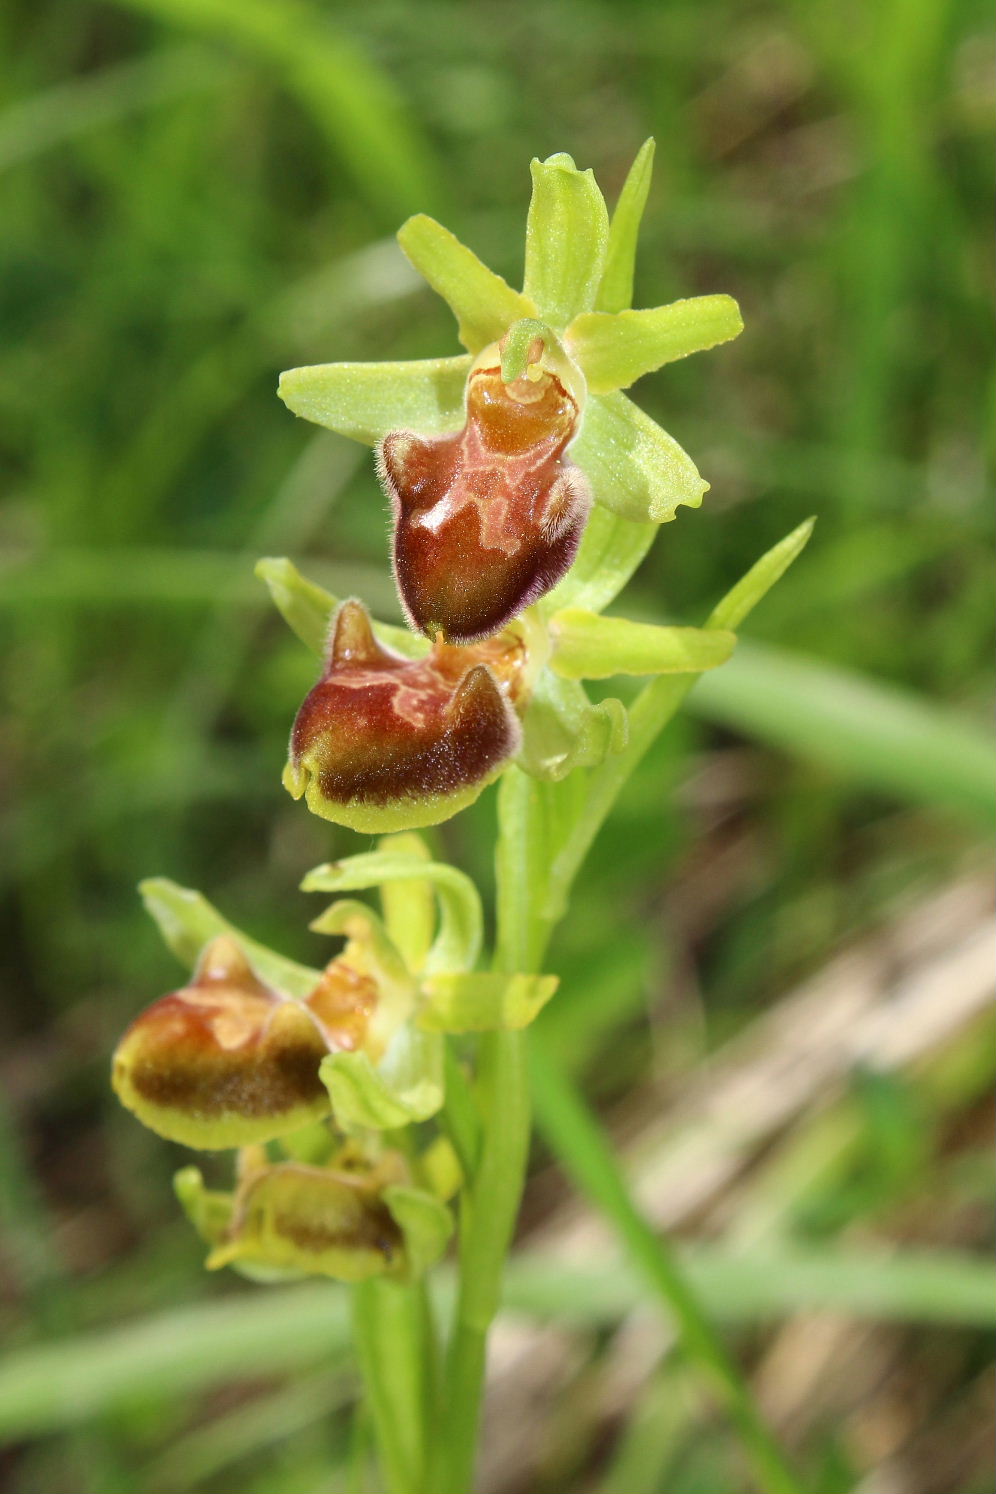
(578,281)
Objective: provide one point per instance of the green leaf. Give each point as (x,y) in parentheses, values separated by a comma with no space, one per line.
(483,1001)
(423,1220)
(366,400)
(458,942)
(405,1086)
(616,290)
(482,302)
(742,598)
(563,730)
(187,922)
(636,469)
(587,646)
(567,234)
(614,349)
(307,609)
(611,550)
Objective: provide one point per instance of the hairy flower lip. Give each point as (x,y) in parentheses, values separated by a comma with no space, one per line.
(487,520)
(383,741)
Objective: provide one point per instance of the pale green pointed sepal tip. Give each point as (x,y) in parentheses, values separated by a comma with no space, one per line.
(567,234)
(615,293)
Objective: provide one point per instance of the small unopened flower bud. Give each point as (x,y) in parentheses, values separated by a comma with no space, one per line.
(388,743)
(489,519)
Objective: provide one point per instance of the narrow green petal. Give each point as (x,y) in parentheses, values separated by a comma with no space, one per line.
(758,581)
(636,469)
(482,302)
(187,922)
(425,1223)
(615,349)
(616,290)
(366,400)
(567,235)
(307,609)
(483,1001)
(586,646)
(458,942)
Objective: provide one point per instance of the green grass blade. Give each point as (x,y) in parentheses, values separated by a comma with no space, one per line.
(867,731)
(582,1148)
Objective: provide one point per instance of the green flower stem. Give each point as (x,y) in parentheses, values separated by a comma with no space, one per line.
(395,1342)
(576,1138)
(491,1203)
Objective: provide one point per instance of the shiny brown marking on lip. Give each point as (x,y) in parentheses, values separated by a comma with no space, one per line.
(487,520)
(379,727)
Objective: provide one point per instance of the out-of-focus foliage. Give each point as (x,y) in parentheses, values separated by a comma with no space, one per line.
(198,193)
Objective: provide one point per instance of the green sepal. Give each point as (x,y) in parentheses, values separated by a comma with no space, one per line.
(635,469)
(409,906)
(461,923)
(616,290)
(426,1225)
(187,922)
(307,609)
(742,598)
(567,235)
(616,349)
(563,730)
(405,1086)
(482,302)
(611,550)
(587,646)
(366,400)
(209,1211)
(483,1001)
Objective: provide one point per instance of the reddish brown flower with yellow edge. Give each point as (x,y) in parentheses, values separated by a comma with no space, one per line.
(228,1060)
(385,742)
(489,519)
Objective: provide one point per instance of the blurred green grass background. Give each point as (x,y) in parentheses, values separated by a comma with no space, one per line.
(197,193)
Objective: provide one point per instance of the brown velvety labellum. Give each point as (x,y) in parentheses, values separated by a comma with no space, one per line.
(381,730)
(224,1061)
(488,520)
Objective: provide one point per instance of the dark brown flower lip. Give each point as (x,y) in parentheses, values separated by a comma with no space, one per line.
(488,520)
(382,733)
